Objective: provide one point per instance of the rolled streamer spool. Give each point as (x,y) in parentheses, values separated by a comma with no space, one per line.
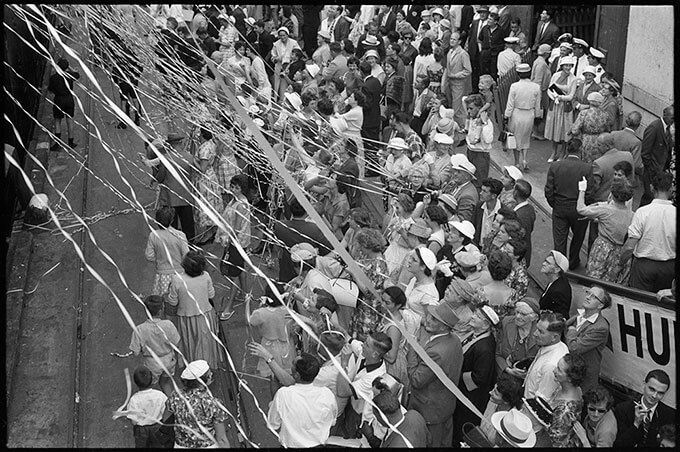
(345,292)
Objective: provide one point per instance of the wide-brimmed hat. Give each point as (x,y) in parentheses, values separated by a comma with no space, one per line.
(513,172)
(444,313)
(420,229)
(569,59)
(313,69)
(596,53)
(445,23)
(460,162)
(438,11)
(515,427)
(370,40)
(397,143)
(372,53)
(613,83)
(294,99)
(464,227)
(580,42)
(195,370)
(589,69)
(442,138)
(427,256)
(302,252)
(565,36)
(523,68)
(445,125)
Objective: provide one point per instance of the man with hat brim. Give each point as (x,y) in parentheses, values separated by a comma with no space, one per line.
(540,74)
(474,45)
(595,58)
(522,107)
(428,395)
(581,54)
(585,86)
(469,263)
(508,58)
(465,194)
(514,427)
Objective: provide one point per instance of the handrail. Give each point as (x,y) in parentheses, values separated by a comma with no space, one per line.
(624,291)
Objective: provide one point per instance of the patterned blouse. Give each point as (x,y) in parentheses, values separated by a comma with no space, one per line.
(205,411)
(369,311)
(518,280)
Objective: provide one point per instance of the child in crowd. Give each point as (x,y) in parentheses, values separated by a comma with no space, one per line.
(145,411)
(165,248)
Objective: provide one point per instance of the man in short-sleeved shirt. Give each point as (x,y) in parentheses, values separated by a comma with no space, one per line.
(651,238)
(540,378)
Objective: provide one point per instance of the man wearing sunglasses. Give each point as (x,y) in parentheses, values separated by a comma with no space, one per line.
(587,333)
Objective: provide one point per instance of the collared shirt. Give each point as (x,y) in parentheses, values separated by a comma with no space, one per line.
(362,377)
(146,407)
(417,110)
(436,336)
(540,379)
(480,136)
(304,413)
(418,296)
(328,377)
(507,60)
(580,320)
(654,225)
(520,205)
(487,218)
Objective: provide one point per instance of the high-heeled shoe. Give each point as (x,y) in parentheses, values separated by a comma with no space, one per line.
(524,164)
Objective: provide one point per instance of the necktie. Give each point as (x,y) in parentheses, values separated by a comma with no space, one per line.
(645,428)
(540,35)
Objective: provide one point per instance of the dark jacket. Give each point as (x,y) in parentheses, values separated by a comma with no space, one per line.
(588,341)
(429,396)
(372,89)
(549,36)
(558,297)
(413,15)
(628,436)
(561,187)
(466,15)
(526,215)
(473,50)
(295,231)
(655,149)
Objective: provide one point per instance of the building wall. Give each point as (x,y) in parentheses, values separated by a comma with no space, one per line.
(648,73)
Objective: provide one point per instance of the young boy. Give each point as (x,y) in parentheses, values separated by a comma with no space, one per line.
(145,410)
(157,335)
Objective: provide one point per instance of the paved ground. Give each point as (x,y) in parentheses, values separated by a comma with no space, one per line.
(64,383)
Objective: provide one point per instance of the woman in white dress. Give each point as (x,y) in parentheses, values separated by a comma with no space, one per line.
(524,104)
(281,56)
(560,115)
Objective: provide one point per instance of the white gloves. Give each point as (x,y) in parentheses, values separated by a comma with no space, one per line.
(582,184)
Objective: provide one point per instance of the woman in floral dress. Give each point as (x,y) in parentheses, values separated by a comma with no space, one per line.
(560,115)
(208,188)
(435,71)
(589,124)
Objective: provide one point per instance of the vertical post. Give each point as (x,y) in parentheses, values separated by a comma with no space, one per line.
(596,38)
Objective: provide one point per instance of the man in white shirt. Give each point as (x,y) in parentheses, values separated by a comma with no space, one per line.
(488,207)
(303,413)
(651,240)
(540,380)
(365,364)
(508,58)
(581,54)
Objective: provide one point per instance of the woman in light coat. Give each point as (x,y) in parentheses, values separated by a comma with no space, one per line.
(524,104)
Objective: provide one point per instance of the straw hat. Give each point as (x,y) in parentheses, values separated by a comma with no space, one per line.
(195,370)
(444,313)
(370,41)
(513,172)
(515,427)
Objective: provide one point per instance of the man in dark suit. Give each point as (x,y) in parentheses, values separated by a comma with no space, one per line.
(297,230)
(265,40)
(546,31)
(493,43)
(656,150)
(387,20)
(627,140)
(429,396)
(370,129)
(561,192)
(413,14)
(310,26)
(526,214)
(465,194)
(557,296)
(638,422)
(504,18)
(337,24)
(474,45)
(467,13)
(588,332)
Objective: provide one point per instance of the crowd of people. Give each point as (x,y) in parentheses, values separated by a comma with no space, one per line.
(360,100)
